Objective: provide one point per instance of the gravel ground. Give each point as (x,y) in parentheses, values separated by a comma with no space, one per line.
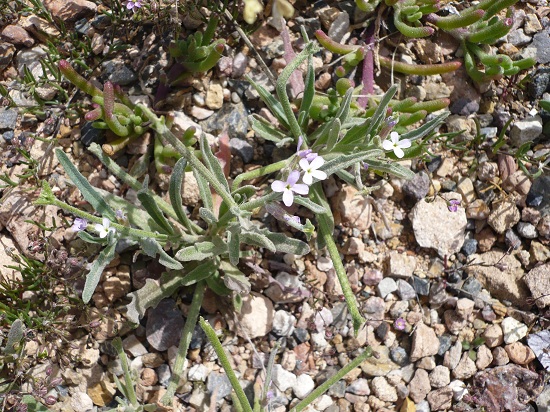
(456,300)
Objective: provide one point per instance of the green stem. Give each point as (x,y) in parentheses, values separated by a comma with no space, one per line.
(253,174)
(129,385)
(136,185)
(327,235)
(185,340)
(331,381)
(262,201)
(159,126)
(282,84)
(215,342)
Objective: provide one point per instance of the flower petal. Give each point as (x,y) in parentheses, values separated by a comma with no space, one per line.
(387,145)
(398,152)
(293,177)
(288,198)
(304,164)
(317,162)
(301,189)
(99,228)
(405,143)
(319,174)
(307,179)
(394,136)
(278,186)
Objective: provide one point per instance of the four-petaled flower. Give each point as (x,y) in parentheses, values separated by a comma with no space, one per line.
(290,187)
(133,5)
(310,170)
(79,224)
(453,205)
(393,143)
(104,229)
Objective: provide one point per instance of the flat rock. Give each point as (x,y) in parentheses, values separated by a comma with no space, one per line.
(538,282)
(70,10)
(504,282)
(352,209)
(438,228)
(505,215)
(465,368)
(383,390)
(401,265)
(440,399)
(419,386)
(17,35)
(424,342)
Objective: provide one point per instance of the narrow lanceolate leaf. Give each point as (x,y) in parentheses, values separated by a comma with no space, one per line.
(152,208)
(309,92)
(208,216)
(266,131)
(204,191)
(284,244)
(153,248)
(380,113)
(234,279)
(212,163)
(174,190)
(234,244)
(155,290)
(274,106)
(201,251)
(15,335)
(391,168)
(96,269)
(344,161)
(87,190)
(425,128)
(258,239)
(314,207)
(333,134)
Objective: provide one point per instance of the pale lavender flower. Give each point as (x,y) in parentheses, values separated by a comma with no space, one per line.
(307,154)
(393,143)
(292,218)
(310,170)
(104,229)
(453,205)
(400,324)
(79,224)
(133,5)
(290,187)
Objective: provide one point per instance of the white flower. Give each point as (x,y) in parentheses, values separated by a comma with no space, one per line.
(396,145)
(310,170)
(104,229)
(289,187)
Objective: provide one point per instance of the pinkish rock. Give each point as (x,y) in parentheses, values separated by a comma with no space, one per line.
(352,208)
(424,342)
(520,353)
(505,215)
(70,10)
(484,357)
(16,35)
(465,368)
(538,282)
(500,357)
(440,399)
(419,386)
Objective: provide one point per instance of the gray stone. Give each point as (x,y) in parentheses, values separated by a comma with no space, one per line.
(359,387)
(543,400)
(527,230)
(8,119)
(399,356)
(339,27)
(541,43)
(283,323)
(539,195)
(242,148)
(469,247)
(518,38)
(417,188)
(7,51)
(303,386)
(405,290)
(282,378)
(219,383)
(526,130)
(232,117)
(538,282)
(386,286)
(424,342)
(401,265)
(421,286)
(164,325)
(445,342)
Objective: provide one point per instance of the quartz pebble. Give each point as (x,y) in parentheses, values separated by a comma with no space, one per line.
(513,330)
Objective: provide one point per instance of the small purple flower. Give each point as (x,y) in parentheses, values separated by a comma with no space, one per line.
(400,324)
(307,154)
(453,205)
(289,218)
(290,187)
(79,224)
(133,5)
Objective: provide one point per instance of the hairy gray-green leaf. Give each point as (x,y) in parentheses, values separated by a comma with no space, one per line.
(391,168)
(174,190)
(274,106)
(426,128)
(155,290)
(208,216)
(204,191)
(343,161)
(212,162)
(154,211)
(333,134)
(96,269)
(201,250)
(17,330)
(88,191)
(266,131)
(257,239)
(285,244)
(309,93)
(153,248)
(233,244)
(380,113)
(234,279)
(314,207)
(88,238)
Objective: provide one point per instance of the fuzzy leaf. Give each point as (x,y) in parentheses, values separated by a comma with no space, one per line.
(174,190)
(257,239)
(154,291)
(285,244)
(151,248)
(212,163)
(88,191)
(392,168)
(234,244)
(307,203)
(96,269)
(152,208)
(380,113)
(208,216)
(234,279)
(204,191)
(342,161)
(201,250)
(426,128)
(17,330)
(273,105)
(266,131)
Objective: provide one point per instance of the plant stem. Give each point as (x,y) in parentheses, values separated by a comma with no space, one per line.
(159,126)
(184,342)
(130,392)
(253,204)
(331,381)
(222,357)
(252,174)
(324,228)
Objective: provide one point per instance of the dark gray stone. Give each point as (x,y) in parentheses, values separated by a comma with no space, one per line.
(164,374)
(484,191)
(539,83)
(164,325)
(399,356)
(8,136)
(512,239)
(445,343)
(417,187)
(539,195)
(123,76)
(421,286)
(218,382)
(232,117)
(301,334)
(242,148)
(382,330)
(472,287)
(464,107)
(469,247)
(434,164)
(338,390)
(541,42)
(89,134)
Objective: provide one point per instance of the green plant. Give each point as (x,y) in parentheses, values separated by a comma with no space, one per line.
(209,256)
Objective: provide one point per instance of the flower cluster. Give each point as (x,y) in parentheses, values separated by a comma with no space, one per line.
(133,5)
(102,229)
(309,163)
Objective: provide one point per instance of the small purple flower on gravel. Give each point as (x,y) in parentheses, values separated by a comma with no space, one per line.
(79,224)
(133,5)
(393,143)
(453,205)
(310,170)
(290,187)
(400,324)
